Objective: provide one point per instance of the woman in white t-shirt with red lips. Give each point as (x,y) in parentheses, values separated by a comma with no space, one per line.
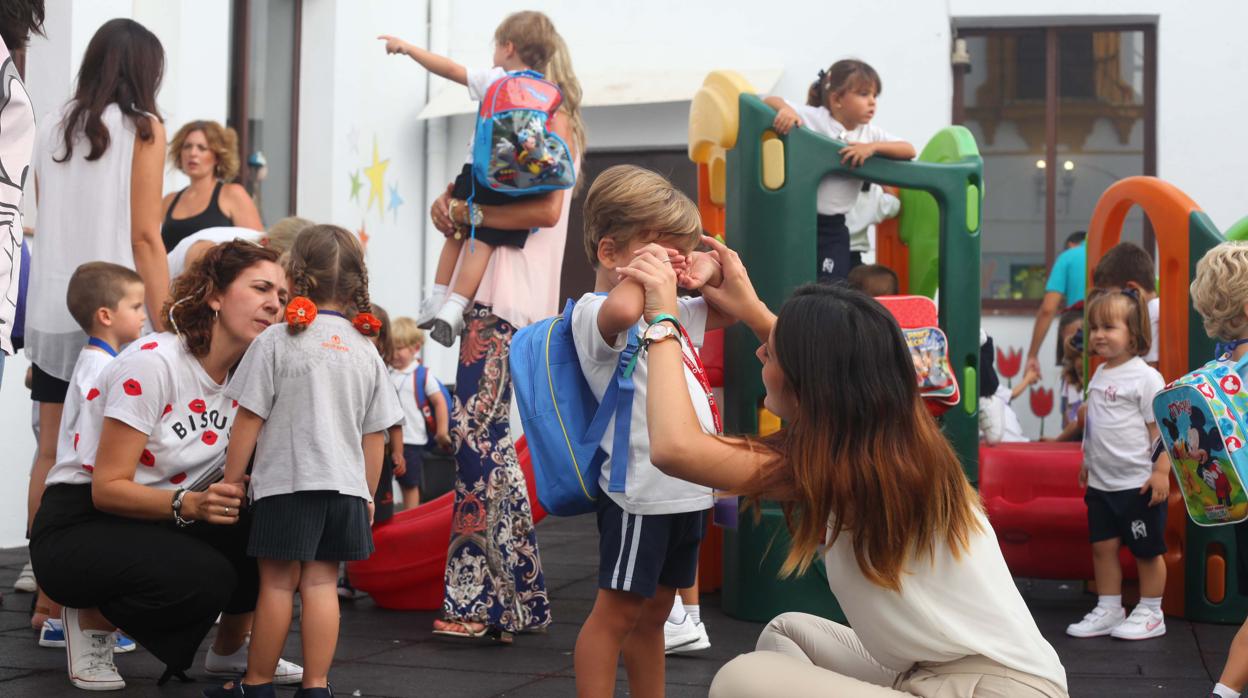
(128,535)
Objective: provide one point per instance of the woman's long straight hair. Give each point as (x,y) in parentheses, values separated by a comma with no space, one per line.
(123,65)
(863,457)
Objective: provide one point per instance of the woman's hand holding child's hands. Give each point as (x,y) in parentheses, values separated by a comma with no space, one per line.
(854,154)
(701,270)
(735,296)
(654,268)
(1159,483)
(219,504)
(785,120)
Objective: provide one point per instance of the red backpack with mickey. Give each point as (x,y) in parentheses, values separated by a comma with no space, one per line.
(514,150)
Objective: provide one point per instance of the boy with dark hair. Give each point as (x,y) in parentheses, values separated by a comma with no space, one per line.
(874,280)
(107,302)
(1127,266)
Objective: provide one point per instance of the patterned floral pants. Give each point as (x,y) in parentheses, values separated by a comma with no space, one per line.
(493,570)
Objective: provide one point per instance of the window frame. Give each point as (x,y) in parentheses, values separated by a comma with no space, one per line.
(1052,103)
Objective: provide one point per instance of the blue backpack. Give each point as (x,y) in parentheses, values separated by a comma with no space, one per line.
(563,421)
(1201,418)
(513,151)
(422,400)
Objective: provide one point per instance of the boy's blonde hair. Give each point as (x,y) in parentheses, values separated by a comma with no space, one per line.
(532,34)
(627,202)
(1220,290)
(405,333)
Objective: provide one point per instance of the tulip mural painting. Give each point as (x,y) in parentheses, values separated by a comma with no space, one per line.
(1008,364)
(1041,404)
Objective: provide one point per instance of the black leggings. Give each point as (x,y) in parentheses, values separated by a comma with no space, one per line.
(833,257)
(162,585)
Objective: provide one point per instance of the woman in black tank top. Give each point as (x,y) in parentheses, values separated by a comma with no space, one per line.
(208,154)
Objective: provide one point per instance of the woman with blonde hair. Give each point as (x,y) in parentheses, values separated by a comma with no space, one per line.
(867,482)
(207,152)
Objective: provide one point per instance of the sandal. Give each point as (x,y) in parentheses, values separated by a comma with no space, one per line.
(471,630)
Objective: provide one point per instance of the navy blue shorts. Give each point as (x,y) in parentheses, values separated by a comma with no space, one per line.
(1126,515)
(637,553)
(414,459)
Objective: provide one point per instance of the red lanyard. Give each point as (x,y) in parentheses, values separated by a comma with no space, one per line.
(695,367)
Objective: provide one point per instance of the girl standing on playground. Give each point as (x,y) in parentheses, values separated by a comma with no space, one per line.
(316,383)
(1126,491)
(840,105)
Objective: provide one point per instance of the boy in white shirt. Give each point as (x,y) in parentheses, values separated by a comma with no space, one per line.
(106,300)
(649,534)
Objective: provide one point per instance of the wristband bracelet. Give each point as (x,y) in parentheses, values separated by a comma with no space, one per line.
(666,317)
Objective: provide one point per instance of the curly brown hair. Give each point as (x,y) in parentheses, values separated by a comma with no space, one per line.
(326,265)
(222,141)
(187,309)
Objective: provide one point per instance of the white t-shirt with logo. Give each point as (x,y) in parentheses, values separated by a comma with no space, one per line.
(158,388)
(647,489)
(319,392)
(1117,449)
(837,193)
(404,381)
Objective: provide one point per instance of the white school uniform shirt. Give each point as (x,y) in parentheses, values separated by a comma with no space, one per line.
(948,608)
(156,387)
(319,392)
(217,235)
(404,381)
(91,362)
(873,206)
(837,193)
(1117,450)
(647,490)
(479,81)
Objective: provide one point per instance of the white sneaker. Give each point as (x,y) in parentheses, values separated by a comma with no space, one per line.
(429,308)
(1142,624)
(1099,621)
(703,642)
(90,655)
(677,636)
(26,580)
(235,665)
(447,326)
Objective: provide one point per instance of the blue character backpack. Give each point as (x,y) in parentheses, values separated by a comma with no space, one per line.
(513,151)
(1201,418)
(563,421)
(422,400)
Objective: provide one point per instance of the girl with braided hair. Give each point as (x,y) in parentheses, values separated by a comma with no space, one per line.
(314,399)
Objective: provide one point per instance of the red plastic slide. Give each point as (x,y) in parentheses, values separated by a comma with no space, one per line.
(405,571)
(1032,495)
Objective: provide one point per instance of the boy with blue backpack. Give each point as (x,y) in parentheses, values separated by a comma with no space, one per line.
(514,155)
(650,525)
(1220,294)
(426,406)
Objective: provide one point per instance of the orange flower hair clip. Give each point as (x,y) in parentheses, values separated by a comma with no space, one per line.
(367,324)
(300,311)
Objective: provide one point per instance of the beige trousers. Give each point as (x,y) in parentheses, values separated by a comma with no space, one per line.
(803,656)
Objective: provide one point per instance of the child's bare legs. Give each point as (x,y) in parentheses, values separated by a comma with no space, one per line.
(622,622)
(1152,576)
(319,591)
(1235,673)
(1108,569)
(278,581)
(411,497)
(643,650)
(449,321)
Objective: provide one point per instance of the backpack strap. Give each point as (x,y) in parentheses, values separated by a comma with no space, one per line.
(617,402)
(421,398)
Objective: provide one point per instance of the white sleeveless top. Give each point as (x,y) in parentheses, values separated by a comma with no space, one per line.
(948,608)
(83,216)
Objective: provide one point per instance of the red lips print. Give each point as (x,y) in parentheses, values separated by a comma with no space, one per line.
(146,458)
(93,394)
(132,387)
(149,346)
(177,479)
(197,406)
(209,437)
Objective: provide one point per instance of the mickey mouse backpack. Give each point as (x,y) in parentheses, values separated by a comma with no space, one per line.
(514,151)
(929,349)
(1200,416)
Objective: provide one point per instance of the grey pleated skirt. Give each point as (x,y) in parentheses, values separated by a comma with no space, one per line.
(316,525)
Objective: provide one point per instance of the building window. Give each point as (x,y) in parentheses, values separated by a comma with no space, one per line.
(264,100)
(1059,114)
